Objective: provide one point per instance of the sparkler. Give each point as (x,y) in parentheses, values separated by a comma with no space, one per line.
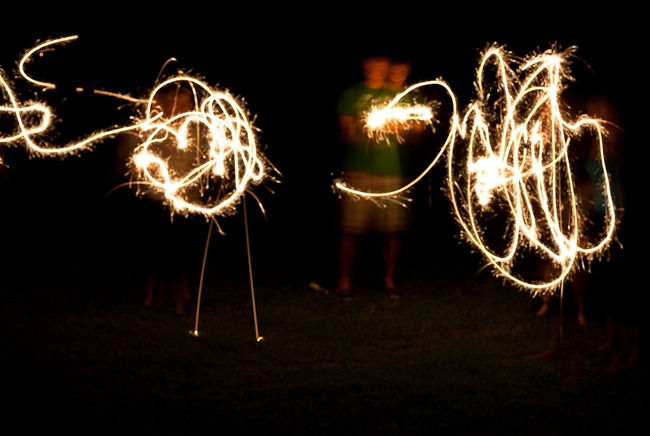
(201,158)
(383,120)
(518,160)
(515,157)
(515,162)
(34,120)
(199,155)
(212,140)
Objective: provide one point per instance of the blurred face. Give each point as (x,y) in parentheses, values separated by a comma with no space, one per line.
(397,74)
(375,71)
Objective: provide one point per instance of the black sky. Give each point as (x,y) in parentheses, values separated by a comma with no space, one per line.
(288,66)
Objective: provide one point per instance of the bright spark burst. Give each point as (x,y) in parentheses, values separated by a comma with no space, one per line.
(392,118)
(396,115)
(202,158)
(199,160)
(515,163)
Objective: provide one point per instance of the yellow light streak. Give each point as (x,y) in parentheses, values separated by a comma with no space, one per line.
(214,138)
(201,160)
(378,128)
(509,154)
(34,120)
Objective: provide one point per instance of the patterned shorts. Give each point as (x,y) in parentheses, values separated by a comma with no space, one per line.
(383,215)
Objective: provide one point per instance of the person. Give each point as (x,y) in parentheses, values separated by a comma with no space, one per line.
(371,163)
(166,243)
(605,290)
(611,284)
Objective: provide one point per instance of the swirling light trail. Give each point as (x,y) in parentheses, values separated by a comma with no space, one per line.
(515,159)
(393,112)
(35,119)
(215,134)
(200,158)
(216,129)
(518,159)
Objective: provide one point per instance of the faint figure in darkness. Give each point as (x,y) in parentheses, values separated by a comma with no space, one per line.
(166,244)
(605,291)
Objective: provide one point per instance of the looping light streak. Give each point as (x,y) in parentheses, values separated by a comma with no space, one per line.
(201,160)
(35,119)
(513,160)
(377,128)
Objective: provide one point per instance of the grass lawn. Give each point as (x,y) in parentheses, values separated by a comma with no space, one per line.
(81,355)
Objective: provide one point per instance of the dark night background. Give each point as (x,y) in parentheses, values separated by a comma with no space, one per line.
(288,66)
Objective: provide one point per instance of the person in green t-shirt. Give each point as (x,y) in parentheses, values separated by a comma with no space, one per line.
(371,163)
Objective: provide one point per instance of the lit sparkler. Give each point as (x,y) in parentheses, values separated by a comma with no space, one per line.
(518,160)
(515,163)
(202,157)
(393,117)
(34,120)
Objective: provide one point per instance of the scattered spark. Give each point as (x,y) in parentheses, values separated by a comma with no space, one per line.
(201,159)
(34,120)
(202,156)
(509,155)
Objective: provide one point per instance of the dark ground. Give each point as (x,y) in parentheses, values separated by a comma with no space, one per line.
(80,353)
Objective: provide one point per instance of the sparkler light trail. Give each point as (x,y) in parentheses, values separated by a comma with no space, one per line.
(202,154)
(196,149)
(515,165)
(32,121)
(200,159)
(517,159)
(393,117)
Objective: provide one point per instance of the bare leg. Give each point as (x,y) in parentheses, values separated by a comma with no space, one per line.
(181,292)
(579,286)
(347,251)
(547,300)
(149,291)
(392,247)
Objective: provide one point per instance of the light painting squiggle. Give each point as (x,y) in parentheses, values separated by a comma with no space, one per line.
(212,138)
(203,158)
(35,119)
(515,162)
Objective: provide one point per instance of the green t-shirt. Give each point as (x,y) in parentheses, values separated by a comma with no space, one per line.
(378,154)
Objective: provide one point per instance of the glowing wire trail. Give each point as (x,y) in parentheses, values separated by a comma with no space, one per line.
(201,158)
(382,121)
(34,120)
(518,160)
(513,162)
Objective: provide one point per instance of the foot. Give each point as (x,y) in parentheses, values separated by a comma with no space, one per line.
(606,346)
(343,294)
(582,319)
(394,294)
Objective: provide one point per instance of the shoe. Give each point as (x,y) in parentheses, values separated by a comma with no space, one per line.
(343,294)
(394,294)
